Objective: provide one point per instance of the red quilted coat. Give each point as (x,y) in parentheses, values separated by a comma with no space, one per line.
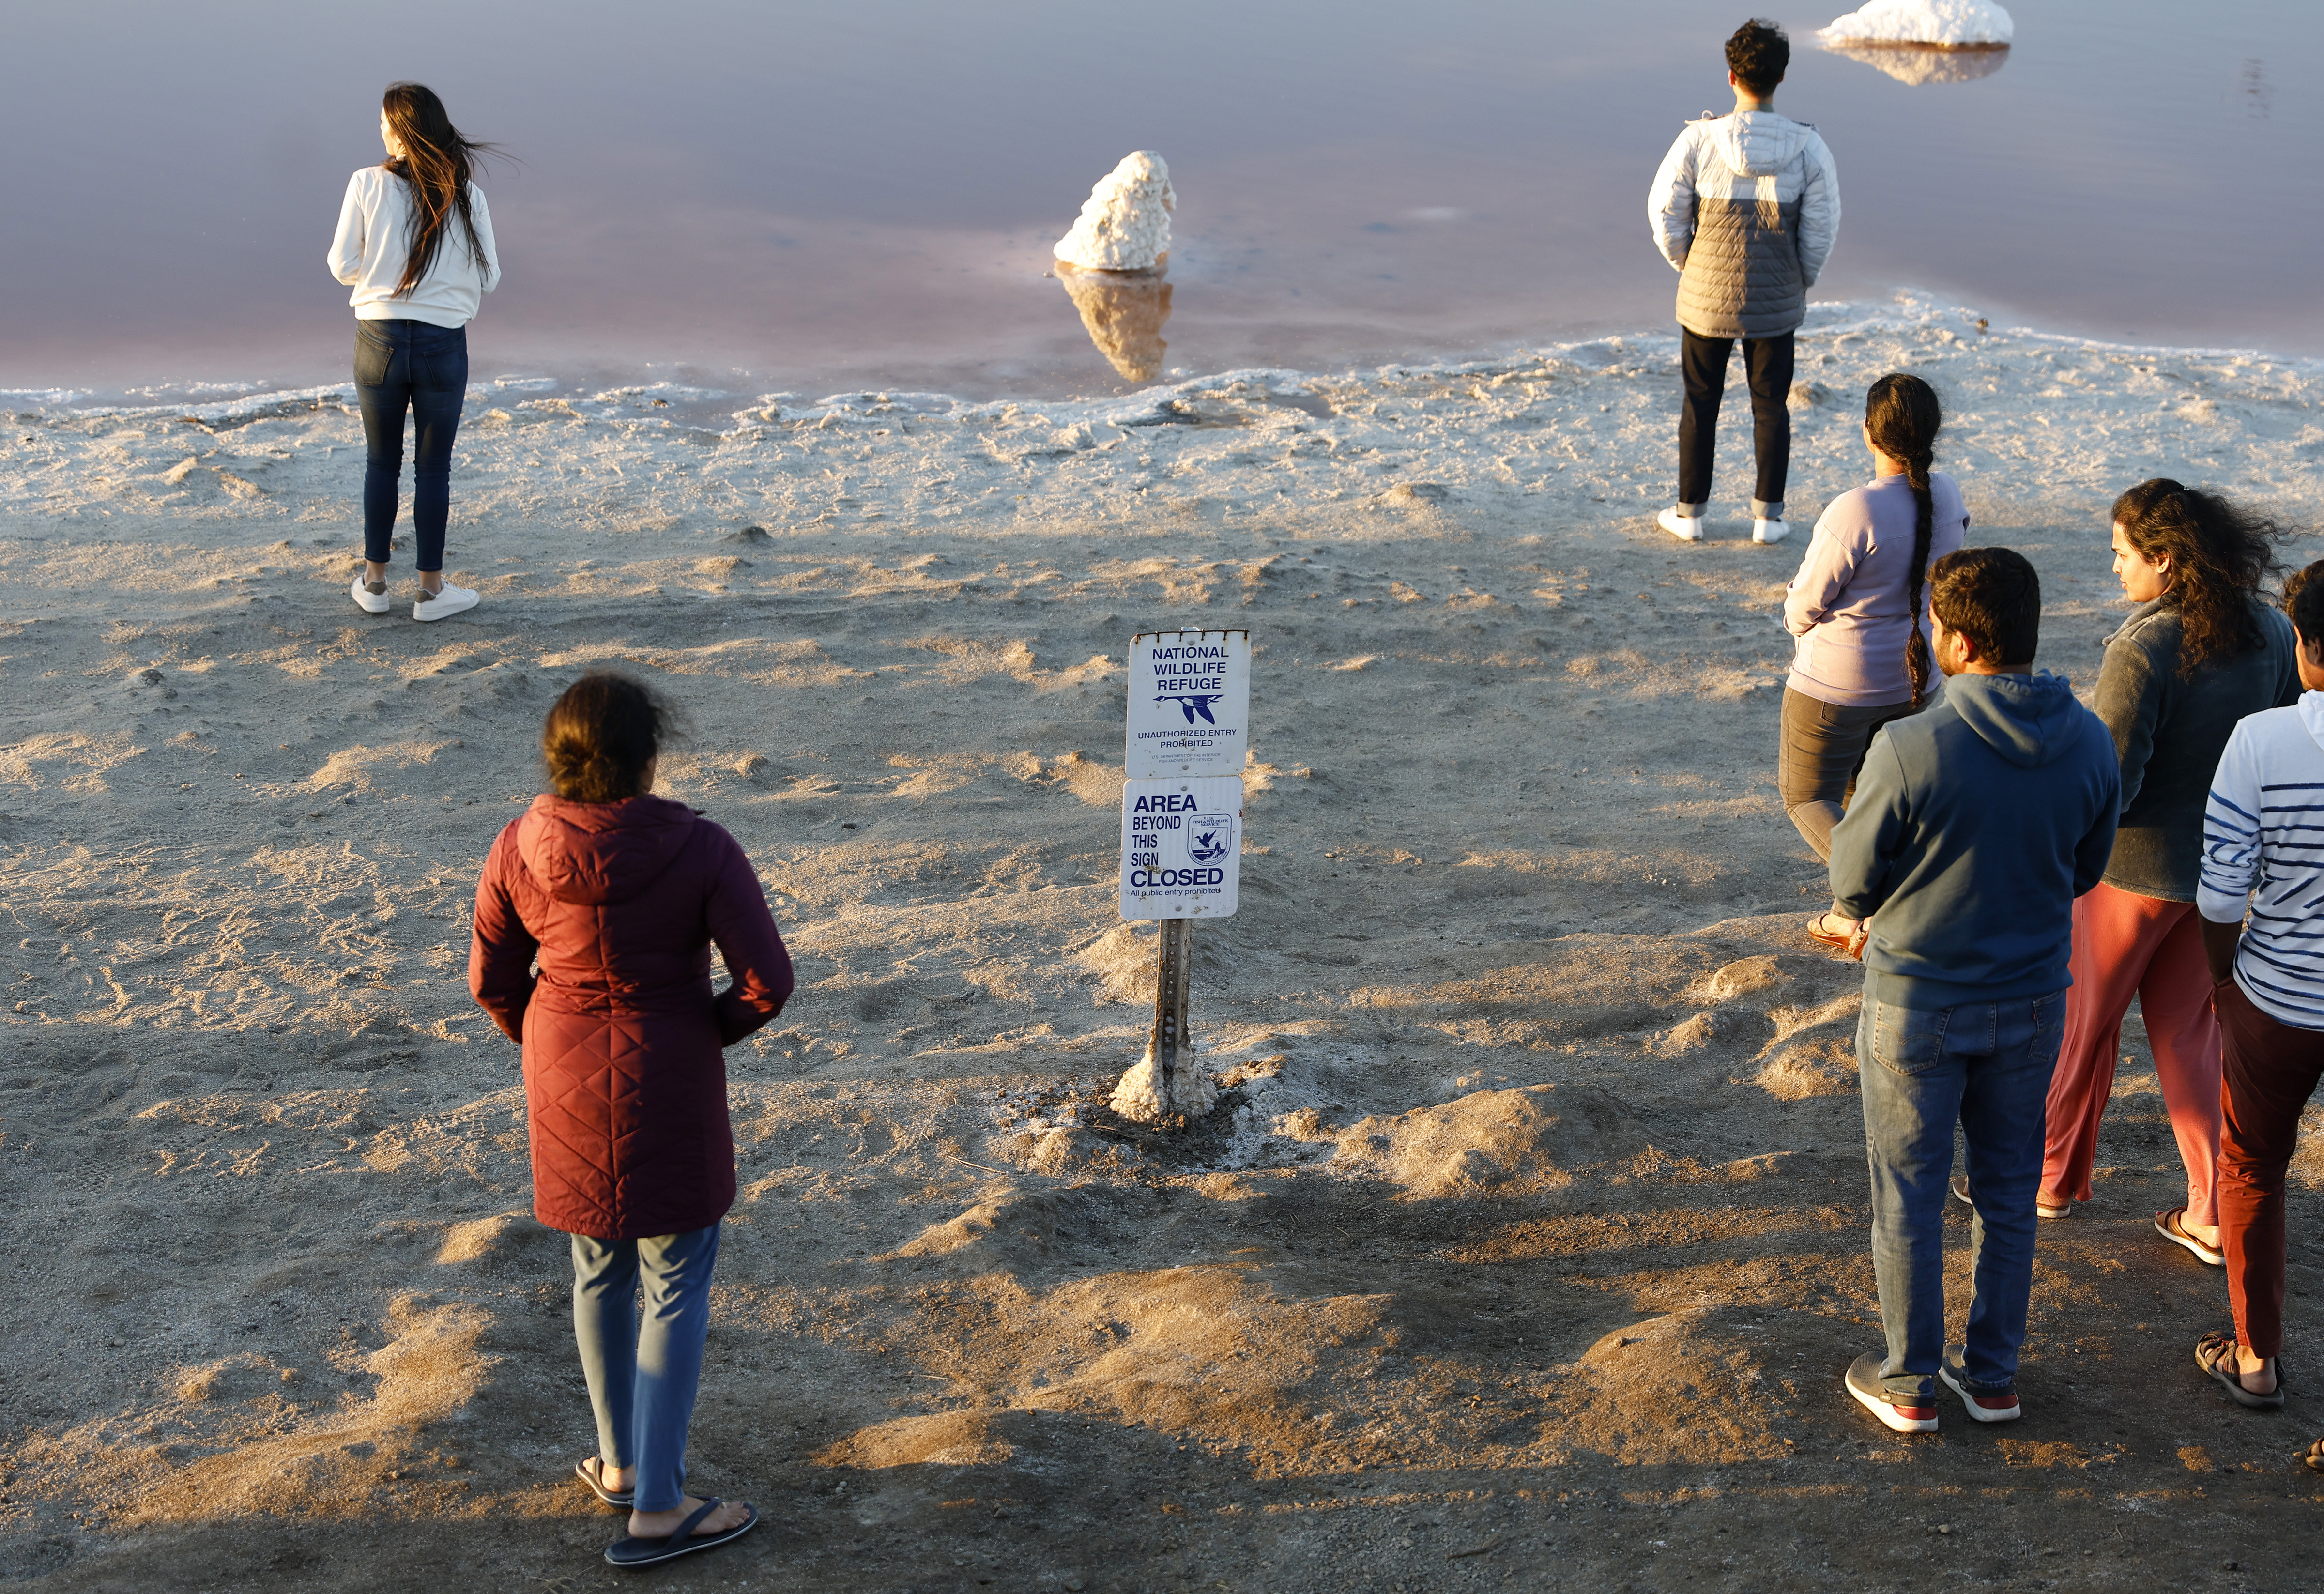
(591,948)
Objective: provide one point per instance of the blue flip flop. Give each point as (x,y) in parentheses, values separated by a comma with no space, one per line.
(633,1551)
(626,1499)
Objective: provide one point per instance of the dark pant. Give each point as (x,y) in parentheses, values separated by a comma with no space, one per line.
(423,368)
(1819,751)
(1986,1066)
(1767,366)
(2271,1071)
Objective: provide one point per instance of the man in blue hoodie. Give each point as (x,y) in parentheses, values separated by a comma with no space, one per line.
(1974,827)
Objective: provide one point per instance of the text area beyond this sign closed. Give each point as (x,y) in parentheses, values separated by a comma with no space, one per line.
(1181,847)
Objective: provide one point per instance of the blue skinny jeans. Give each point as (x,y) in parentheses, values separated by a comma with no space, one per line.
(422,368)
(1985,1065)
(642,1384)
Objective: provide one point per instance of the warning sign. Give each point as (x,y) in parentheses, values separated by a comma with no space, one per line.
(1181,847)
(1189,702)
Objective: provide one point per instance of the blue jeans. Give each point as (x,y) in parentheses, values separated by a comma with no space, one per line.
(421,367)
(1988,1065)
(643,1385)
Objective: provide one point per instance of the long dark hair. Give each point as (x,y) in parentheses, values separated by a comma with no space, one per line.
(1901,414)
(436,165)
(2219,556)
(601,735)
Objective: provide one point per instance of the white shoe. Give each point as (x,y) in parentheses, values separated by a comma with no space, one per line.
(1685,527)
(450,600)
(1769,530)
(370,599)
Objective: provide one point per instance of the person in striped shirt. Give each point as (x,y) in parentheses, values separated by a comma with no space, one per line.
(2261,897)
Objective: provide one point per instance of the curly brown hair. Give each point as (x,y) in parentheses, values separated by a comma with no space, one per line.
(2219,556)
(602,734)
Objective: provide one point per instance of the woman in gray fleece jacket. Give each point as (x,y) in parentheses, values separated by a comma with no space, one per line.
(2200,652)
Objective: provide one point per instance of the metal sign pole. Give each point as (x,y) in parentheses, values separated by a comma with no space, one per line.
(1174,979)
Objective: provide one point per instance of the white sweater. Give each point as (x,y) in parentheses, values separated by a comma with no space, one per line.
(2264,851)
(367,254)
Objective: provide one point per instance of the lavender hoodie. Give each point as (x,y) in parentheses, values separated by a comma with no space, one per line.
(1848,605)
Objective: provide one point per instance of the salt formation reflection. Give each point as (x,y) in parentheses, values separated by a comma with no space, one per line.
(1124,313)
(1928,64)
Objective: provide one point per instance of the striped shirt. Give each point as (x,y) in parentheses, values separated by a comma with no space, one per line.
(2264,854)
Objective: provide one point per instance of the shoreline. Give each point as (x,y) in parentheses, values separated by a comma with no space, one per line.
(1907,310)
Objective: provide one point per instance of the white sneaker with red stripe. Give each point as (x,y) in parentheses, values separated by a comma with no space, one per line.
(1984,1406)
(1897,1412)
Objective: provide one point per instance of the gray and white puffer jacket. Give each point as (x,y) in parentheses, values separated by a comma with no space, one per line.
(1746,207)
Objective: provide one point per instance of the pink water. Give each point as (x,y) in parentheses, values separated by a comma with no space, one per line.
(816,195)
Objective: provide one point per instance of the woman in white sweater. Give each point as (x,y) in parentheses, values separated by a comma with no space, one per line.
(415,243)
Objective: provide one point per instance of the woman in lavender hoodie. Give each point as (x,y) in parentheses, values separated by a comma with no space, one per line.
(1859,611)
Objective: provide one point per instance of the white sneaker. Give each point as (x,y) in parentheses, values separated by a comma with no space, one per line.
(1769,530)
(1685,527)
(450,600)
(372,599)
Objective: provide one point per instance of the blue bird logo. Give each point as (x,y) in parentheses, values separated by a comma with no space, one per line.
(1193,704)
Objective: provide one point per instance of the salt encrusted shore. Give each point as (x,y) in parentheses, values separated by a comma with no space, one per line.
(1527,1243)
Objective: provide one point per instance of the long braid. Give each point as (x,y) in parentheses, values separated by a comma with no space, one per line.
(1924,525)
(1903,416)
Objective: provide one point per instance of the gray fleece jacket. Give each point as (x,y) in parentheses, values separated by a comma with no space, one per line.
(2169,733)
(1974,826)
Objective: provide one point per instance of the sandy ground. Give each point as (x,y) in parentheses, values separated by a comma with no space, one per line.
(1527,1246)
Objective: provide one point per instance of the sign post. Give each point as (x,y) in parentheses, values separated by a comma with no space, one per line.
(1187,736)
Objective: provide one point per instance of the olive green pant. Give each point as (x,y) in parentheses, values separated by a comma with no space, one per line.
(1816,761)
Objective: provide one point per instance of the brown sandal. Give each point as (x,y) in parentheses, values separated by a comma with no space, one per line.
(2216,1355)
(2171,1225)
(1820,932)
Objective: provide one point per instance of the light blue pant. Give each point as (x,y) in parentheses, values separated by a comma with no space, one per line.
(1985,1065)
(643,1385)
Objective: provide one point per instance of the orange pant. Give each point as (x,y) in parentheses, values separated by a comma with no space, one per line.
(2128,945)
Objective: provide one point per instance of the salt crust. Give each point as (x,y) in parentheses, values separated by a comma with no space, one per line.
(1125,223)
(1912,315)
(1948,25)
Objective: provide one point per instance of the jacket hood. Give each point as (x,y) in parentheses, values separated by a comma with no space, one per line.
(2028,720)
(2311,714)
(1758,143)
(598,854)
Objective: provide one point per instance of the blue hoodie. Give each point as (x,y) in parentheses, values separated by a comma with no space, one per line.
(1973,828)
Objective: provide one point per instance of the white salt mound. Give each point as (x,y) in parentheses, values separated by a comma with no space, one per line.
(1125,224)
(1140,1098)
(1948,24)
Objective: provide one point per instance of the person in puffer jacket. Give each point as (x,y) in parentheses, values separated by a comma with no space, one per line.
(595,920)
(1745,209)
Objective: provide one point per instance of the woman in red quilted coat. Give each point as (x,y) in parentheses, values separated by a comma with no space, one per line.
(595,920)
